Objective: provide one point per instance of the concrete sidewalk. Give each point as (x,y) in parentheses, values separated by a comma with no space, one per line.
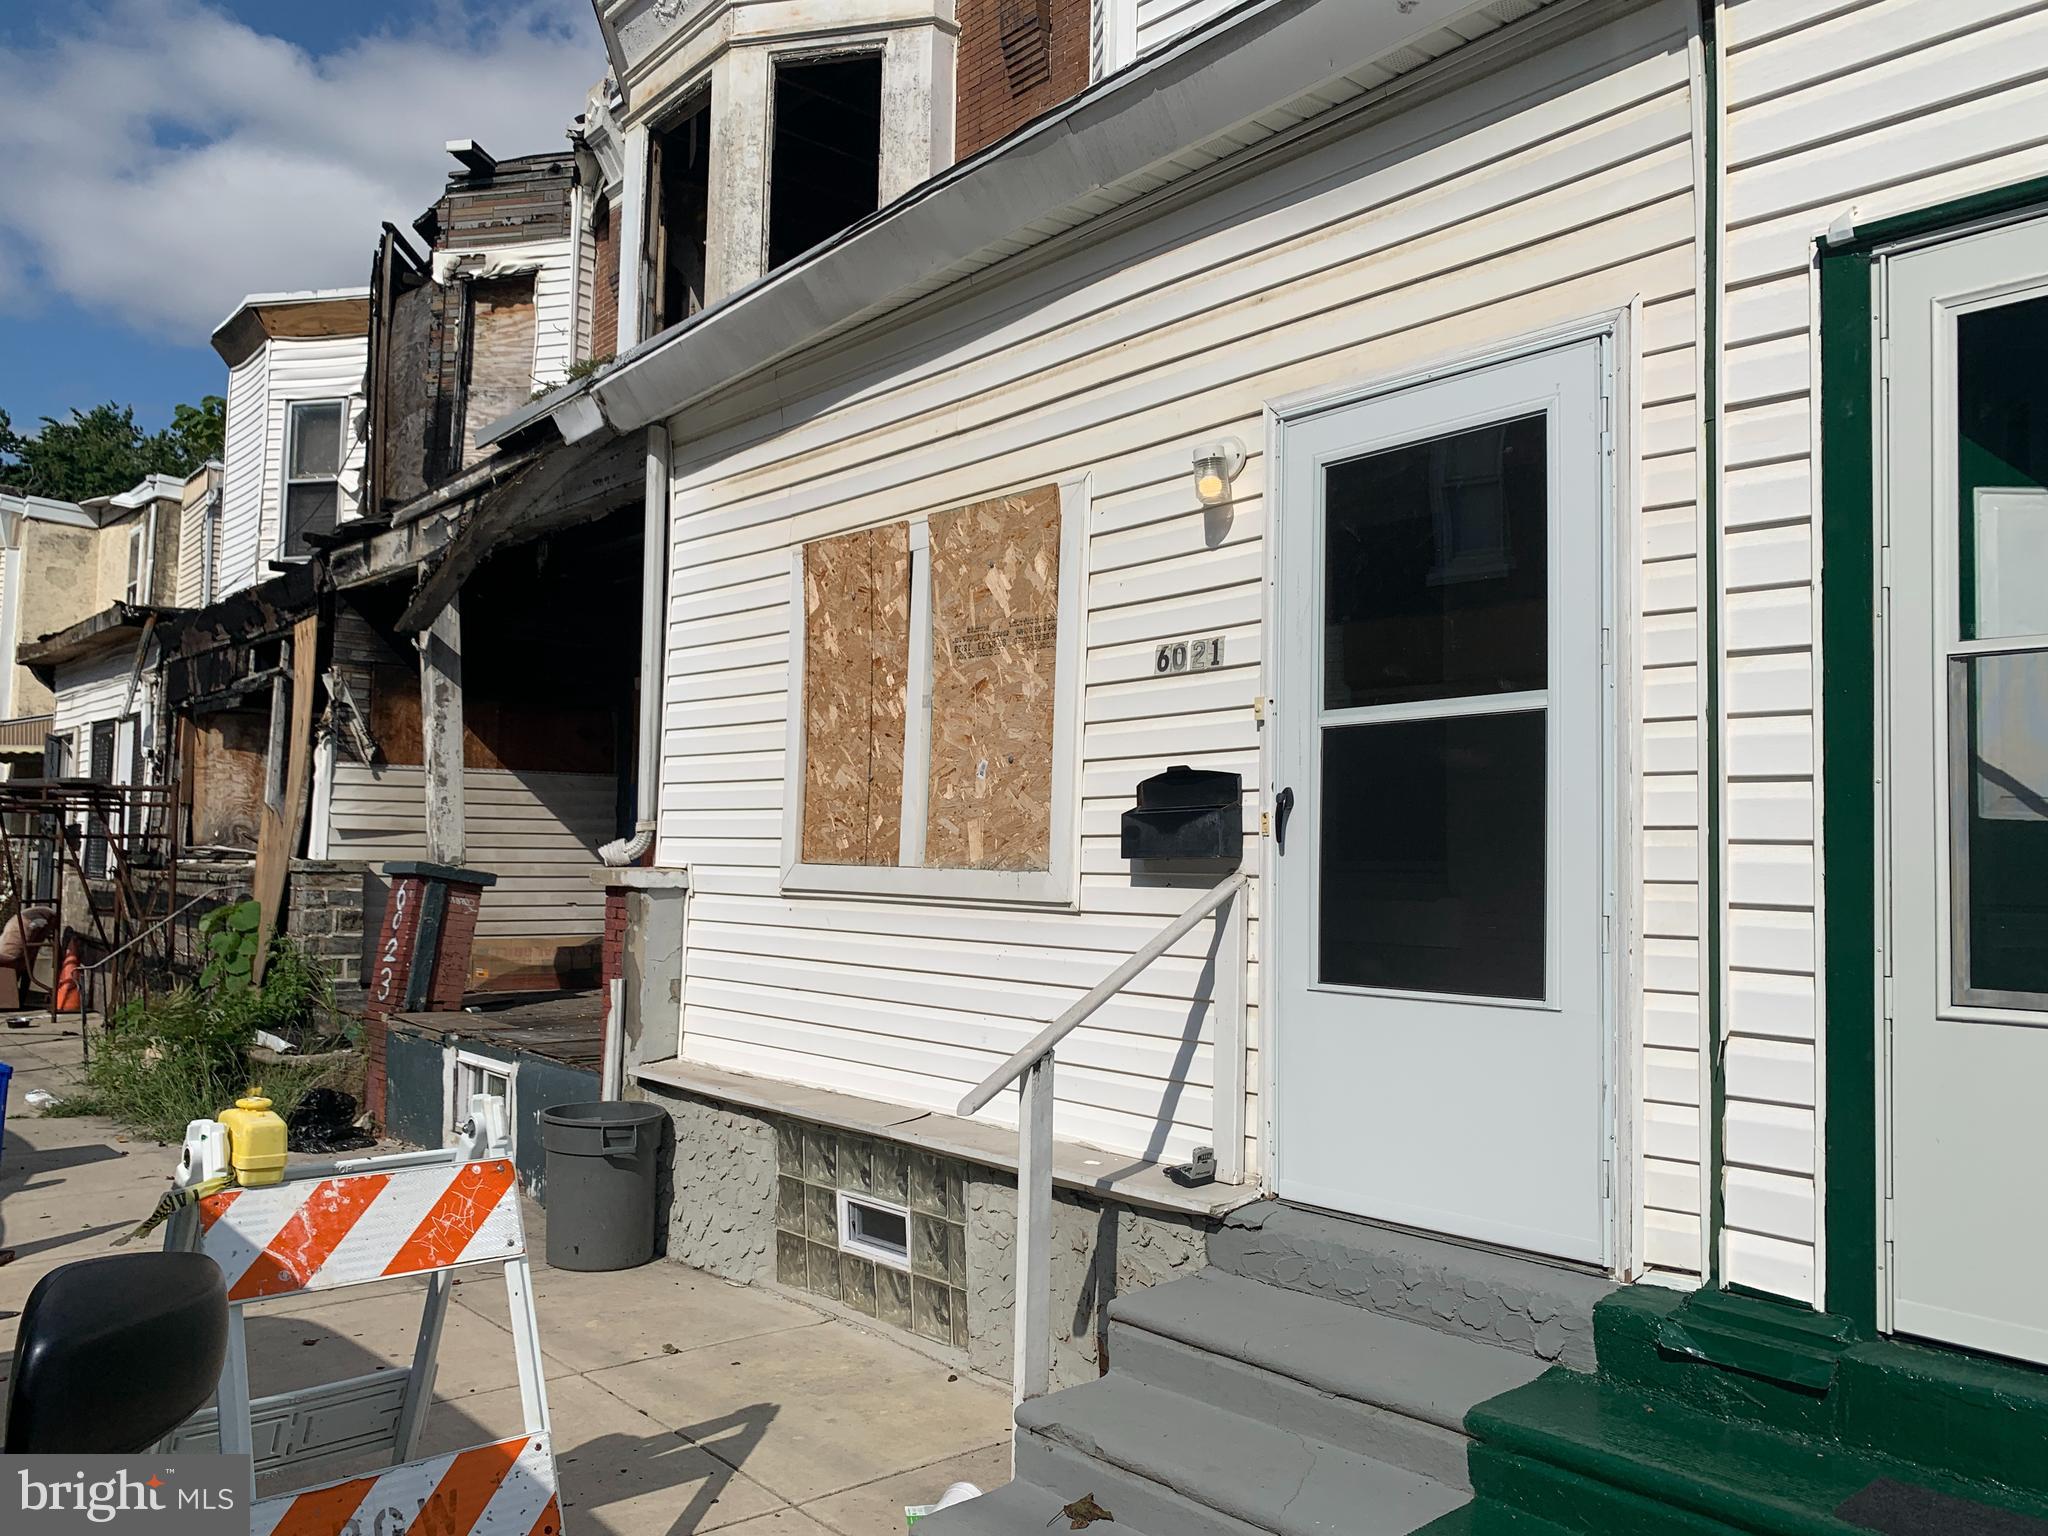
(680,1403)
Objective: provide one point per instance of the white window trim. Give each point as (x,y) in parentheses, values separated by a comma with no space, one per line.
(1054,886)
(285,478)
(850,1243)
(453,1062)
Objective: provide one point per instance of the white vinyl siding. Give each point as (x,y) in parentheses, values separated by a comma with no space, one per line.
(244,466)
(326,368)
(537,832)
(1161,21)
(1880,107)
(554,340)
(89,691)
(260,391)
(1558,189)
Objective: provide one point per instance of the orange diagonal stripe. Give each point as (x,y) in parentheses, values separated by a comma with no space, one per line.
(307,1241)
(324,1511)
(445,1230)
(465,1488)
(215,1206)
(550,1521)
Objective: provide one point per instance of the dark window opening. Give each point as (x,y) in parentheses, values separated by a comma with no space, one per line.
(825,165)
(681,177)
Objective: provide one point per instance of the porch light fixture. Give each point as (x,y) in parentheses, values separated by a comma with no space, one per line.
(1216,465)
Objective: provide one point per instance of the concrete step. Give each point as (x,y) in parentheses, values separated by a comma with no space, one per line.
(1539,1309)
(1183,1467)
(1352,1378)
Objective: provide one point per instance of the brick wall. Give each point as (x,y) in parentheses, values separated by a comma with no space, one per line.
(604,303)
(612,956)
(1017,58)
(324,916)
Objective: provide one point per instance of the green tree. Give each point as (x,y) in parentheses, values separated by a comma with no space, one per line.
(199,432)
(103,451)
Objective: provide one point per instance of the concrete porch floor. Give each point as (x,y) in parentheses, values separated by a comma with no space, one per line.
(681,1403)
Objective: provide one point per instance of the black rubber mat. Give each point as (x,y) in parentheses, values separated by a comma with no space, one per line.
(1906,1509)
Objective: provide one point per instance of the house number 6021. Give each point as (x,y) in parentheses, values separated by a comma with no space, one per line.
(1197,655)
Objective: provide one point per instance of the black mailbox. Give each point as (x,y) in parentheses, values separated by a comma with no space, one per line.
(1187,813)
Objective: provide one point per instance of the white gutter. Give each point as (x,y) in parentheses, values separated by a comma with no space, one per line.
(1114,142)
(653,627)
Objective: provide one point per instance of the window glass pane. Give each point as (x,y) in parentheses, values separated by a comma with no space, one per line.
(315,439)
(2002,457)
(2001,867)
(308,508)
(1436,568)
(1432,873)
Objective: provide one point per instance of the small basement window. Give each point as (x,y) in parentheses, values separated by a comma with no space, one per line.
(874,1229)
(475,1075)
(825,165)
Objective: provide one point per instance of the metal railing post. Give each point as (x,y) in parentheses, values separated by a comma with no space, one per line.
(1033,1373)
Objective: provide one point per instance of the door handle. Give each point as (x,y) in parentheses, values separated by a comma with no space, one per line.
(1283,807)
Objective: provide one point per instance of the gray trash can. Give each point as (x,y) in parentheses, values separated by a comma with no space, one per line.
(601,1183)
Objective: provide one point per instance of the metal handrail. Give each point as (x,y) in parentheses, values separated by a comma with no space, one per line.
(1031,1069)
(1042,1043)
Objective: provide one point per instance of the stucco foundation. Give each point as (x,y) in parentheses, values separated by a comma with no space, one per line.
(720,1186)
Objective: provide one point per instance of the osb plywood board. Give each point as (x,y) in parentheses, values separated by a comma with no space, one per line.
(995,628)
(856,672)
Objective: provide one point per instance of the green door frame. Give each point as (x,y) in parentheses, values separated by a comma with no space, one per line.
(1848,685)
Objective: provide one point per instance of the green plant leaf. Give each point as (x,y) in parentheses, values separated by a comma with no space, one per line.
(243,916)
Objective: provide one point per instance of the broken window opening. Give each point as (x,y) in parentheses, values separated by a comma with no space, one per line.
(825,159)
(680,174)
(312,487)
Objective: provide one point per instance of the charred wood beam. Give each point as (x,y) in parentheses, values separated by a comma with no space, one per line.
(565,488)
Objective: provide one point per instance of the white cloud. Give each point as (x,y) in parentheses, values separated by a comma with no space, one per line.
(163,158)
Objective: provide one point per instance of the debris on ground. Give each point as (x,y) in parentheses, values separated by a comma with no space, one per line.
(1082,1513)
(325,1121)
(959,1493)
(39,1098)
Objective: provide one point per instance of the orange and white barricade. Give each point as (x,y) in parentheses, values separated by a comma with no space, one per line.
(350,1223)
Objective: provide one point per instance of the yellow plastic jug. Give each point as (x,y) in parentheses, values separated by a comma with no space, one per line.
(255,1141)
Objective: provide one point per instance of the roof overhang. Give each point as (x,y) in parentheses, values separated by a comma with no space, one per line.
(110,631)
(1255,74)
(311,313)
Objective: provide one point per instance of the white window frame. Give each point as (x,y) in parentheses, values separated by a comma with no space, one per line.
(456,1103)
(1052,886)
(852,1242)
(285,478)
(139,562)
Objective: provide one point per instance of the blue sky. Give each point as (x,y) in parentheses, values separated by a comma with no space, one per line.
(167,156)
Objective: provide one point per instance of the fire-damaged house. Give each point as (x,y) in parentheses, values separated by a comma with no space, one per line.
(330,737)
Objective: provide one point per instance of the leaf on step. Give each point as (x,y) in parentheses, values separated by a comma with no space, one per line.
(1082,1513)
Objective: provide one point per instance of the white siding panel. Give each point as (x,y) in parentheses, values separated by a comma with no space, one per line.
(244,465)
(88,691)
(1559,189)
(1885,106)
(554,344)
(537,832)
(323,368)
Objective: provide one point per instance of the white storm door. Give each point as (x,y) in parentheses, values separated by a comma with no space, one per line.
(1440,1045)
(1966,767)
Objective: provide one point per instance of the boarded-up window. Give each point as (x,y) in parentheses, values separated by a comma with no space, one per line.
(856,593)
(500,354)
(995,574)
(979,779)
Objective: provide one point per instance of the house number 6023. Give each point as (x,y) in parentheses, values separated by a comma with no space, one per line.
(1197,655)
